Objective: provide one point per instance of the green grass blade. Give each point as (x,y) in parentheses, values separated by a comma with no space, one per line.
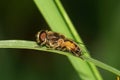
(22,44)
(58,21)
(102,65)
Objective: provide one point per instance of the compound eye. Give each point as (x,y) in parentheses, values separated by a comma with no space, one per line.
(42,36)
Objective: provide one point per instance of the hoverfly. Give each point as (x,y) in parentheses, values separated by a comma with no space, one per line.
(57,41)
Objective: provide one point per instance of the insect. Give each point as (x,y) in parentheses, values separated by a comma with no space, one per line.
(57,41)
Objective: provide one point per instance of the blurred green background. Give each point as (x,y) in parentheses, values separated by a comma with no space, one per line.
(97,22)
